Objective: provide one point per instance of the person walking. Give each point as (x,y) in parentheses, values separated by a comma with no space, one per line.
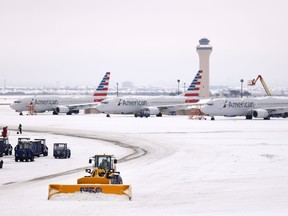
(20,128)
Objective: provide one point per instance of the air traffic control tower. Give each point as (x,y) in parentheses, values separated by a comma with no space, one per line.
(204,50)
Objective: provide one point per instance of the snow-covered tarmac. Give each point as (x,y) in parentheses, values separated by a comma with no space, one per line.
(177,166)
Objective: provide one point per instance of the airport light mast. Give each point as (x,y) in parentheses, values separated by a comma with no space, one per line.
(204,50)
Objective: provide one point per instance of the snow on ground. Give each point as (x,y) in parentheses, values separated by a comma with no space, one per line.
(177,166)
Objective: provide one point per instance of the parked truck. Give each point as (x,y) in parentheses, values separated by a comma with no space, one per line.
(1,154)
(61,150)
(38,146)
(5,147)
(2,148)
(24,150)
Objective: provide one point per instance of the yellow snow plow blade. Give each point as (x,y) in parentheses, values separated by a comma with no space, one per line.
(90,188)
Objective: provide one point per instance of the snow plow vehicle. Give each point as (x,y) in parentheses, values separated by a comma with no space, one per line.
(103,178)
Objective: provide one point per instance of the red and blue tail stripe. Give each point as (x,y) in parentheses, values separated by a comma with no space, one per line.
(194,89)
(102,89)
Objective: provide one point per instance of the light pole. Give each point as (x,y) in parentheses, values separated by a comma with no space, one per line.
(117,88)
(178,85)
(184,87)
(241,87)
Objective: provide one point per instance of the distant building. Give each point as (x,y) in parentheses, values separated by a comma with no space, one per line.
(204,50)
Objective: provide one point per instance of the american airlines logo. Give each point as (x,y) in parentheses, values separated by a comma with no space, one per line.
(132,103)
(46,102)
(239,104)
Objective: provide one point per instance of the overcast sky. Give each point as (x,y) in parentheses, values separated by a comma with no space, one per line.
(71,42)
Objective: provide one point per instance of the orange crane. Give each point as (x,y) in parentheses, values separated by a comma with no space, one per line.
(253,82)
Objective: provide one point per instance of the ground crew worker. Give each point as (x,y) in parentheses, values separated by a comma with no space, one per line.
(20,128)
(104,164)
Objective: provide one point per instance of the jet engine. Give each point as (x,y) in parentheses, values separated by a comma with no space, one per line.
(153,110)
(259,113)
(62,109)
(146,112)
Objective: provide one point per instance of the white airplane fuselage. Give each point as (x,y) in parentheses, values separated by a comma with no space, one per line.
(48,103)
(132,105)
(258,107)
(62,104)
(152,105)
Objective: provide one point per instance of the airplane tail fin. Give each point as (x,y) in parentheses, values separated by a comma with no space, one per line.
(102,89)
(192,93)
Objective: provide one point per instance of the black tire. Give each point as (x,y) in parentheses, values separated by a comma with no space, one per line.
(116,180)
(32,159)
(16,159)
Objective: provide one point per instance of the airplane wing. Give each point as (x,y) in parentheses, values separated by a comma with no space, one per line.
(185,106)
(82,106)
(276,110)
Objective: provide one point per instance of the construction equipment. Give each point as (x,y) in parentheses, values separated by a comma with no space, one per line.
(60,150)
(102,179)
(253,82)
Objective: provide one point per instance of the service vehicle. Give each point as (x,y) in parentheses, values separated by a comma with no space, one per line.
(103,178)
(61,150)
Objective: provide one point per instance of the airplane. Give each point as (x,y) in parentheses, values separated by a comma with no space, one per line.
(62,104)
(259,107)
(144,106)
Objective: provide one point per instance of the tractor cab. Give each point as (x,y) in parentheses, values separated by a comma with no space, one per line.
(106,162)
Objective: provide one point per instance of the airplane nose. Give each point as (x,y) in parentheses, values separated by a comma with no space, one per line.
(12,105)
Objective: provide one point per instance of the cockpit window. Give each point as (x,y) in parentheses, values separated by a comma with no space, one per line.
(17,101)
(210,104)
(104,102)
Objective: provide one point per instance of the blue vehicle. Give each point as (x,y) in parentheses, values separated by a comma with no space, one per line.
(5,147)
(61,150)
(24,151)
(39,147)
(2,150)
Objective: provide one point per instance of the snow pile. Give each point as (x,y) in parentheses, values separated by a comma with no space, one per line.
(78,196)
